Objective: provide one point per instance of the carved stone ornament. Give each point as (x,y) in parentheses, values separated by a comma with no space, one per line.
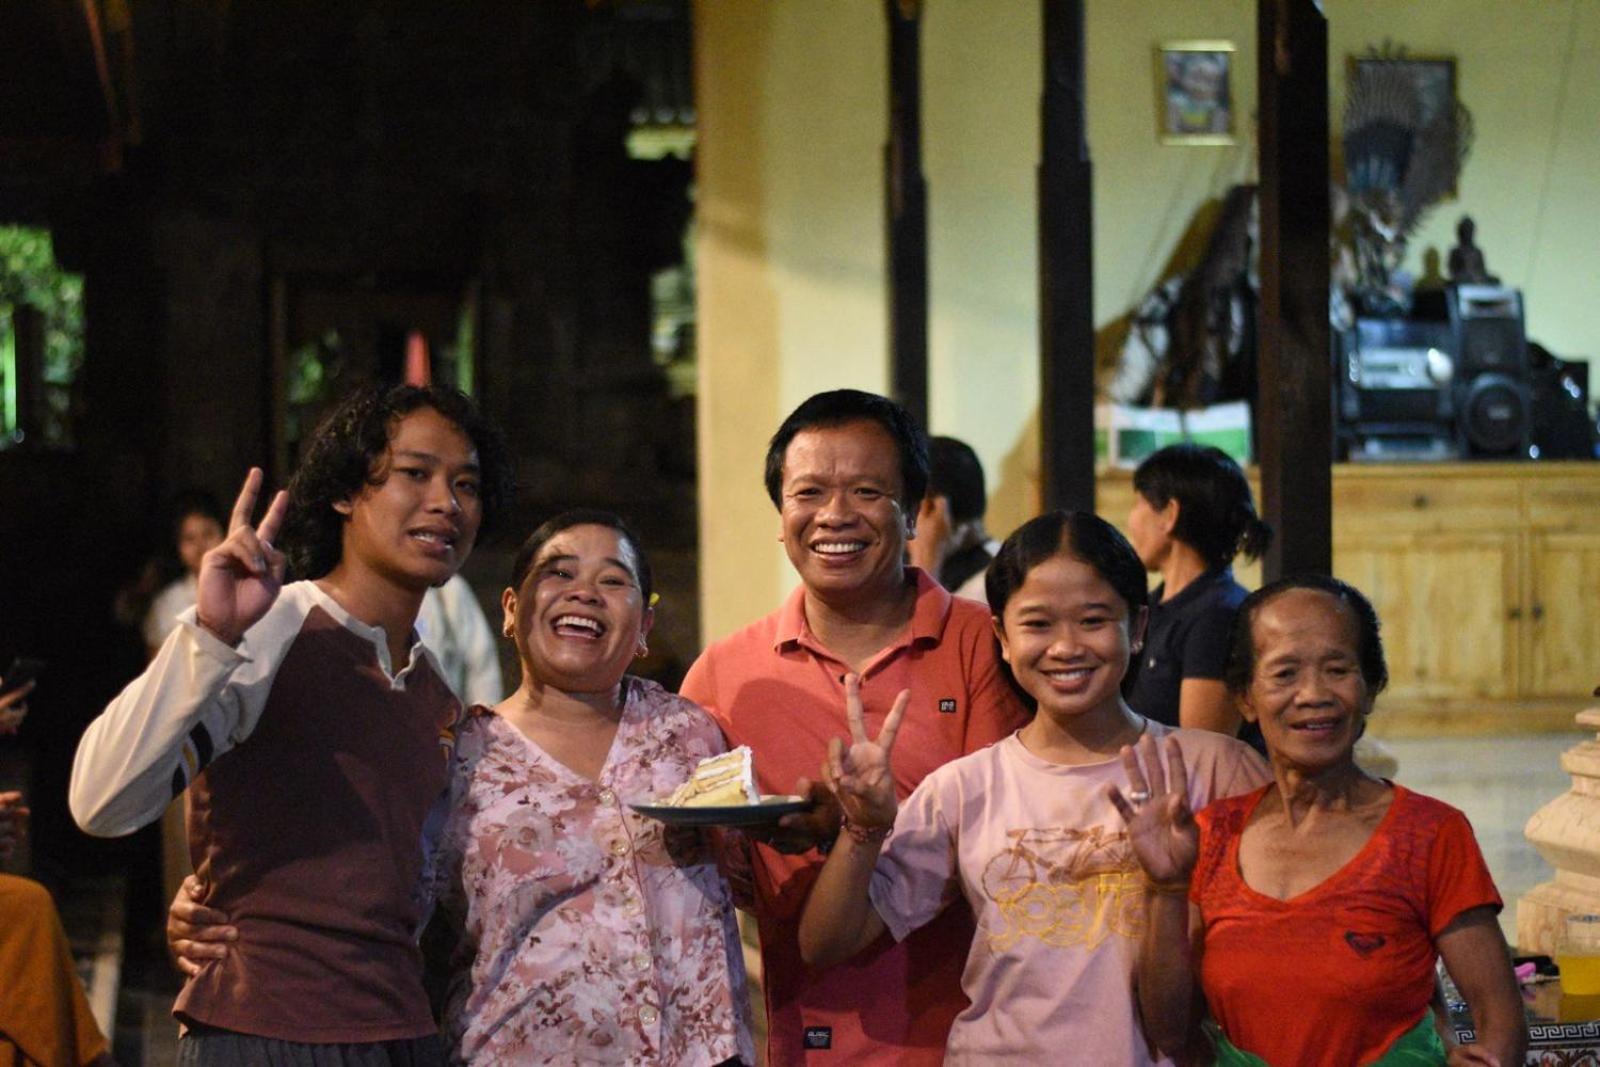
(1566,832)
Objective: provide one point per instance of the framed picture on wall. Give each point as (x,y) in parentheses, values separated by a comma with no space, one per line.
(1194,92)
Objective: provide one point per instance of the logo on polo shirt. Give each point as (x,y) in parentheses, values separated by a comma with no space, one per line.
(819,1037)
(948,706)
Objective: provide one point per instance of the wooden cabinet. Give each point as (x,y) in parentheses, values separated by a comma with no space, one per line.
(1486,578)
(1444,600)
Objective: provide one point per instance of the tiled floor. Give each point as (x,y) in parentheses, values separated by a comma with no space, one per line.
(1498,782)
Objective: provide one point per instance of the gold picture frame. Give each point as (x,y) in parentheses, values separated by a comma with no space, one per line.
(1194,92)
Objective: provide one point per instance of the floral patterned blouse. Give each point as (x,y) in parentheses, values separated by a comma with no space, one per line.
(578,939)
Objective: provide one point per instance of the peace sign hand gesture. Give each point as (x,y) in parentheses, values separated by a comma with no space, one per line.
(240,578)
(1161,828)
(860,776)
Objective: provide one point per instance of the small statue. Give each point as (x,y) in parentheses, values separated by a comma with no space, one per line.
(1466,258)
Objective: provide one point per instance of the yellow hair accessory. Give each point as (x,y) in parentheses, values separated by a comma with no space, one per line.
(655,598)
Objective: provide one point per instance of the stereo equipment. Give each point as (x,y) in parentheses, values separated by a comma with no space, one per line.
(1490,393)
(1394,389)
(1562,426)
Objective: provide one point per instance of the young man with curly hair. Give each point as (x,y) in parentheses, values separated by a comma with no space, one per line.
(305,721)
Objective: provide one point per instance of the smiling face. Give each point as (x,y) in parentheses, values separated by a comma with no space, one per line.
(1307,691)
(844,526)
(579,617)
(416,524)
(1067,637)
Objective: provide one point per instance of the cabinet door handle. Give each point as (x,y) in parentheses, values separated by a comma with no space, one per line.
(1419,501)
(1514,614)
(1538,612)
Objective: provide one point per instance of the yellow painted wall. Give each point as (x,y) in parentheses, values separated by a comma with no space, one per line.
(792,106)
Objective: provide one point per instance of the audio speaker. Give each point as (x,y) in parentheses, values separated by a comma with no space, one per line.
(1492,401)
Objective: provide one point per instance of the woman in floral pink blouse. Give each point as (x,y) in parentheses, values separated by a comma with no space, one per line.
(579,935)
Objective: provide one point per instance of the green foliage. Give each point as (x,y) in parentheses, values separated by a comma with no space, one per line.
(29,275)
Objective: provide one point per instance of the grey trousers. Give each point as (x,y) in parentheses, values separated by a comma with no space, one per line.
(205,1047)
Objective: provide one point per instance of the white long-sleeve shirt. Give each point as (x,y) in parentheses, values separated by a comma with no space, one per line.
(197,699)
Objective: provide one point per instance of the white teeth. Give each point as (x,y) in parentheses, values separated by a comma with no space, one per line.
(839,548)
(433,538)
(581,622)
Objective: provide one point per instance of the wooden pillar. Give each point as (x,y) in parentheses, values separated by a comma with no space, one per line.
(1294,407)
(906,209)
(1066,266)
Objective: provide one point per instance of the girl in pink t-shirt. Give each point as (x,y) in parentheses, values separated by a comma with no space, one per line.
(1024,830)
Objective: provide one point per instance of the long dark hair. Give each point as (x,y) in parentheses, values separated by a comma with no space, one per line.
(344,454)
(1216,515)
(1082,535)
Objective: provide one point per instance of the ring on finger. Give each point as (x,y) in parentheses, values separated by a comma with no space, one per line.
(1138,796)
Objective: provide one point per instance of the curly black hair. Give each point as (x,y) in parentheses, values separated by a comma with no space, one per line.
(344,455)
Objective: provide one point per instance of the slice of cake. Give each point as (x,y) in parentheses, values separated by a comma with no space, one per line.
(721,781)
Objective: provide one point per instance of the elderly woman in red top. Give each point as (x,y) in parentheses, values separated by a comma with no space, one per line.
(1312,910)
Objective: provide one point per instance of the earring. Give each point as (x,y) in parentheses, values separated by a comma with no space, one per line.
(644,650)
(507,632)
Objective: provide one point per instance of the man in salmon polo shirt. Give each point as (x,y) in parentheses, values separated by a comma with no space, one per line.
(847,471)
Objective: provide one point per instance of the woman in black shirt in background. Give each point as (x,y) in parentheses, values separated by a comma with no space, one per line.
(1192,514)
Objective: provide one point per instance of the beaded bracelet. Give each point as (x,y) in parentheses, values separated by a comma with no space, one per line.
(864,835)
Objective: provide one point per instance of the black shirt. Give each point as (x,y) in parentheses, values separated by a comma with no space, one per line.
(1187,637)
(955,571)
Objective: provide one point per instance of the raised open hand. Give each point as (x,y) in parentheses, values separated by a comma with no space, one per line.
(1161,828)
(860,776)
(240,578)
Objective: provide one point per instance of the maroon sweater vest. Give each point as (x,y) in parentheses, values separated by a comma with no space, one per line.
(309,836)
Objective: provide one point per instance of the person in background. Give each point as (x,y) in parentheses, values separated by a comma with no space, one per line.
(1311,911)
(951,542)
(1023,832)
(1192,514)
(453,627)
(312,730)
(846,471)
(196,530)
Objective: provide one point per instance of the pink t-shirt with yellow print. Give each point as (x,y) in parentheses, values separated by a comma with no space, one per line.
(1042,859)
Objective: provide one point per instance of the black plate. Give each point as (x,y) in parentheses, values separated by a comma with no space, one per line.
(766,813)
